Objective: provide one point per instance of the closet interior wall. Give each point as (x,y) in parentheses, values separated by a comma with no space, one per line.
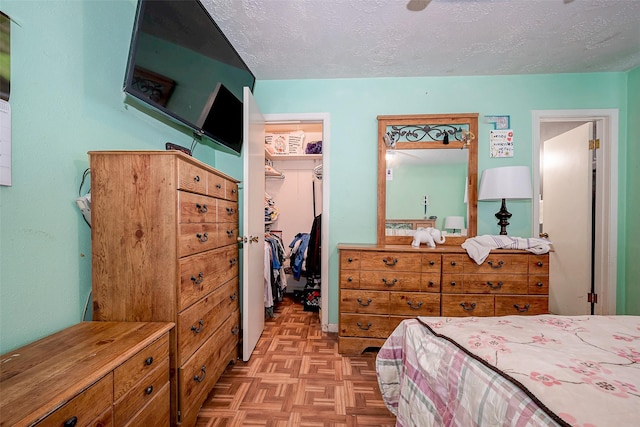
(294,195)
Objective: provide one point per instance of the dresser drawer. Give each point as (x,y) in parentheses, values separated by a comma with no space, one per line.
(133,370)
(453,264)
(194,208)
(357,301)
(216,185)
(391,261)
(349,260)
(202,273)
(87,407)
(498,263)
(198,375)
(521,305)
(495,284)
(455,305)
(539,264)
(390,280)
(156,411)
(231,191)
(430,282)
(414,304)
(196,238)
(431,263)
(538,285)
(350,279)
(227,211)
(191,178)
(364,325)
(227,234)
(200,320)
(141,393)
(452,283)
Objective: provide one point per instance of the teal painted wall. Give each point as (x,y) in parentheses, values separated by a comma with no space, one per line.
(68,60)
(632,240)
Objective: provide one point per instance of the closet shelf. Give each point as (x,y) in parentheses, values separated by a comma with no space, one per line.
(270,156)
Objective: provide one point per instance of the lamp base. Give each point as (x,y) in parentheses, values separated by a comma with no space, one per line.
(503,215)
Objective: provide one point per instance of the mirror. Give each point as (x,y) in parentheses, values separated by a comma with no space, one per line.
(427,171)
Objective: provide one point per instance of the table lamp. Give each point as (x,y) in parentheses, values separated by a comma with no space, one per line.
(509,182)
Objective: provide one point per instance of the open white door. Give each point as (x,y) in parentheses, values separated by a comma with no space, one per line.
(567,195)
(253,226)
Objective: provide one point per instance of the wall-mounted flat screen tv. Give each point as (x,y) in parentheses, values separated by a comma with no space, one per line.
(182,65)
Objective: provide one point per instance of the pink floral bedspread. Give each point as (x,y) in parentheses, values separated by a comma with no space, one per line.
(513,371)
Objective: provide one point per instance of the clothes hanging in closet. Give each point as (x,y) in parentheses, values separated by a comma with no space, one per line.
(313,263)
(298,247)
(275,281)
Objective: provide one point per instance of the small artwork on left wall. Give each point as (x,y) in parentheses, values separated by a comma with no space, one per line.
(152,85)
(5,56)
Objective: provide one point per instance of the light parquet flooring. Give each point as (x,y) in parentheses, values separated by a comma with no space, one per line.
(296,377)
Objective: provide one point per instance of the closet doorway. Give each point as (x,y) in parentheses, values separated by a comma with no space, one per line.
(298,188)
(577,206)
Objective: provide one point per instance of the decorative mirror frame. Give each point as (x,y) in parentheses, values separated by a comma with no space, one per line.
(456,140)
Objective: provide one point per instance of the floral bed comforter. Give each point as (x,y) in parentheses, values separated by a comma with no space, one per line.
(513,371)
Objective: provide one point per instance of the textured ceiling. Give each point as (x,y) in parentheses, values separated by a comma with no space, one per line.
(315,39)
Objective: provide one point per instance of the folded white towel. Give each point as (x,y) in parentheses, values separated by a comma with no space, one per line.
(478,248)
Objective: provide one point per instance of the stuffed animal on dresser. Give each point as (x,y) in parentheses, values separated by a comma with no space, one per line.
(430,236)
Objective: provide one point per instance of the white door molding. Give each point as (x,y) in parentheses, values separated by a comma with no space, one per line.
(606,202)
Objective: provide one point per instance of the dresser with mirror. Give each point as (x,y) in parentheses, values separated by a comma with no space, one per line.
(428,171)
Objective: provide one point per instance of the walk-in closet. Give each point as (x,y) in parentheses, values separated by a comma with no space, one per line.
(293,213)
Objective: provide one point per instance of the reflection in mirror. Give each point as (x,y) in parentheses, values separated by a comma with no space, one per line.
(423,184)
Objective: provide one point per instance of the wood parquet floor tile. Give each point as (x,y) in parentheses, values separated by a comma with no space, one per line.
(296,378)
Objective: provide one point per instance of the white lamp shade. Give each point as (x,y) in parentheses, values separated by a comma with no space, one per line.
(509,182)
(454,222)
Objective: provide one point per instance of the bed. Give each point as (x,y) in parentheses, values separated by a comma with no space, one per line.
(513,371)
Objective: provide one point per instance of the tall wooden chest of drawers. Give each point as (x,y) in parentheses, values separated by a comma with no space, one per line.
(164,247)
(91,374)
(381,285)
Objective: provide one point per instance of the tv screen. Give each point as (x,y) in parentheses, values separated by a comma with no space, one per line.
(182,65)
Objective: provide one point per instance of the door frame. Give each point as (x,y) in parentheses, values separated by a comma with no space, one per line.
(324,241)
(606,201)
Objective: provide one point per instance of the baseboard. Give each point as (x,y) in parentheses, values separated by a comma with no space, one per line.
(331,327)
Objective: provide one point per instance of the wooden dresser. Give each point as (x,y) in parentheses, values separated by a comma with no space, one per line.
(164,247)
(381,285)
(91,374)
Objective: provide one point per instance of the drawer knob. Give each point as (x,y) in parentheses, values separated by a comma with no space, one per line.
(452,283)
(431,283)
(415,306)
(233,261)
(389,282)
(539,284)
(521,309)
(148,390)
(432,262)
(218,186)
(229,233)
(199,328)
(350,279)
(499,265)
(233,296)
(71,422)
(198,280)
(202,237)
(363,327)
(196,178)
(539,263)
(201,208)
(496,286)
(349,259)
(390,262)
(235,330)
(468,307)
(364,304)
(453,263)
(203,374)
(234,190)
(230,211)
(148,361)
